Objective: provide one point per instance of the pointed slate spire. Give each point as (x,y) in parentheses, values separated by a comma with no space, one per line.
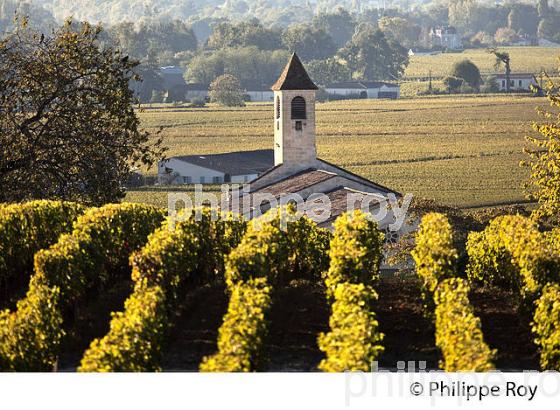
(294,77)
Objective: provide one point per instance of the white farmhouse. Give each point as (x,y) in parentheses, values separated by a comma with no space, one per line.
(517,81)
(234,167)
(363,89)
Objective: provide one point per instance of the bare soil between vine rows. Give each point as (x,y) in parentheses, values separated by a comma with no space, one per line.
(506,327)
(300,312)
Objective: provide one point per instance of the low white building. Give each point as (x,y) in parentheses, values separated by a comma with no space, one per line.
(253,93)
(518,82)
(231,167)
(363,89)
(259,94)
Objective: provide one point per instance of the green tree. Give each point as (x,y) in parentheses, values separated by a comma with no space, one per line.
(325,72)
(523,19)
(158,39)
(150,81)
(371,56)
(244,34)
(68,128)
(248,64)
(543,185)
(452,84)
(468,72)
(403,31)
(339,25)
(490,85)
(157,96)
(460,13)
(226,90)
(310,43)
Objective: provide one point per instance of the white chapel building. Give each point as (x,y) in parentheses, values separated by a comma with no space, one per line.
(297,169)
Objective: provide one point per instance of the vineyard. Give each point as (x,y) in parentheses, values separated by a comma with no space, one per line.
(523,60)
(468,147)
(124,288)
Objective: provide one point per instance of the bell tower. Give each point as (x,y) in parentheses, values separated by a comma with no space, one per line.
(294,116)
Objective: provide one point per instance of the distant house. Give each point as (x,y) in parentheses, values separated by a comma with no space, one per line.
(446,37)
(363,89)
(258,93)
(234,167)
(518,81)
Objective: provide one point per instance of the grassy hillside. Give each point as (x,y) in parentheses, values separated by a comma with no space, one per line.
(523,59)
(462,150)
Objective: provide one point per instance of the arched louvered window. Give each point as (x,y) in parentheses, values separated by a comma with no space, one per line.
(277,108)
(298,109)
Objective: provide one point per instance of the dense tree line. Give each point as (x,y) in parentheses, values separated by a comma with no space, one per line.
(475,19)
(247,64)
(251,39)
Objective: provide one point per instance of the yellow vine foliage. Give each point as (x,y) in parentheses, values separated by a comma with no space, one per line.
(356,251)
(27,228)
(270,254)
(458,332)
(434,254)
(243,330)
(512,251)
(189,255)
(546,327)
(99,246)
(354,340)
(544,161)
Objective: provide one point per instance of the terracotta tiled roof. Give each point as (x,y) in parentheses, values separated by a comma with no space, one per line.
(294,77)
